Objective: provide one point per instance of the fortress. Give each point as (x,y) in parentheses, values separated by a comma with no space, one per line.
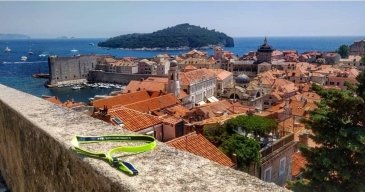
(64,70)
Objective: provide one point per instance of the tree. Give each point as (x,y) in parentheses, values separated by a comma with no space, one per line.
(216,134)
(246,149)
(256,125)
(344,51)
(338,125)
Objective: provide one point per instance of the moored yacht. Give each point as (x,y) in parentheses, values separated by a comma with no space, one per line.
(7,49)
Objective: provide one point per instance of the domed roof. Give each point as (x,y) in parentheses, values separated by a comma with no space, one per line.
(242,79)
(265,47)
(173,63)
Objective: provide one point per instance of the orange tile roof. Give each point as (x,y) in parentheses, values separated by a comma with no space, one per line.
(223,106)
(299,162)
(72,104)
(199,145)
(120,100)
(221,74)
(178,110)
(158,79)
(54,100)
(134,86)
(170,119)
(134,120)
(216,120)
(195,76)
(155,103)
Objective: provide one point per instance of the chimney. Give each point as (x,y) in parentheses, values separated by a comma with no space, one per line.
(303,138)
(234,159)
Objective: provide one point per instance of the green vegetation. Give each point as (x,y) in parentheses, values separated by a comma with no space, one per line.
(247,149)
(344,51)
(338,125)
(183,35)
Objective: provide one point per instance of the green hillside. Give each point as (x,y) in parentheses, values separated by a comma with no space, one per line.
(183,35)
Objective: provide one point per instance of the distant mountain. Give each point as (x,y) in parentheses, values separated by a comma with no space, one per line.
(183,35)
(14,36)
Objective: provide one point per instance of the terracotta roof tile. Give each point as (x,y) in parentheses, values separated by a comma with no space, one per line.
(54,100)
(155,103)
(134,86)
(199,145)
(195,76)
(299,162)
(120,100)
(178,110)
(134,120)
(221,74)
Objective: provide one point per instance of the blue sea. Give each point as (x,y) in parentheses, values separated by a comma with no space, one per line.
(18,75)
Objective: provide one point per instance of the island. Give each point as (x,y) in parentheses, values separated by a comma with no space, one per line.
(13,36)
(177,37)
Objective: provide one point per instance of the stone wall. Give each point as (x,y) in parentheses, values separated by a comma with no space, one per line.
(36,156)
(70,68)
(108,77)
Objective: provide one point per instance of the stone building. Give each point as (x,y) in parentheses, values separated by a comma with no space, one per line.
(65,70)
(358,48)
(199,84)
(146,66)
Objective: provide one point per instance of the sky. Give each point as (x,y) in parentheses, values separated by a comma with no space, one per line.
(236,19)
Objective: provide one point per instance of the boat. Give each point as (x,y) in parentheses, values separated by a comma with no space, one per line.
(7,49)
(92,44)
(30,53)
(77,87)
(42,55)
(23,58)
(74,50)
(41,75)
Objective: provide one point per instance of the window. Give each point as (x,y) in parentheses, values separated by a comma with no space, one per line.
(282,166)
(267,174)
(338,83)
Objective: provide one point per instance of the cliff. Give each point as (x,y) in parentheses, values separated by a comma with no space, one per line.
(183,35)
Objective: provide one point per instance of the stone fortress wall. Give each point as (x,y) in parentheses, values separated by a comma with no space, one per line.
(71,69)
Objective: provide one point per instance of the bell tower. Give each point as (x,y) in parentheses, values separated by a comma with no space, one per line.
(264,53)
(174,79)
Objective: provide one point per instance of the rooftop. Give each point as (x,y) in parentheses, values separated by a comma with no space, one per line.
(199,145)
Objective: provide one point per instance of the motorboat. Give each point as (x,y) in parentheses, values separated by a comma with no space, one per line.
(77,87)
(92,44)
(23,58)
(42,55)
(7,49)
(74,50)
(30,52)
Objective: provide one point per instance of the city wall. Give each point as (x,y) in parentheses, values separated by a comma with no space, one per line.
(35,155)
(108,77)
(71,69)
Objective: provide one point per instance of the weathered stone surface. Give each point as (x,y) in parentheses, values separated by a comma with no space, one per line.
(35,156)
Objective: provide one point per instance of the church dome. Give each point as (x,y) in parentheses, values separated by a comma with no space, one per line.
(173,63)
(242,79)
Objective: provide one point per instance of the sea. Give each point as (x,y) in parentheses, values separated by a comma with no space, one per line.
(17,74)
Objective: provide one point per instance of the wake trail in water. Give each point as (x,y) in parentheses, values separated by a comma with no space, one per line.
(24,62)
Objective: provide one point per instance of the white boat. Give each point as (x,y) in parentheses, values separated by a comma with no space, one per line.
(42,55)
(30,53)
(7,49)
(77,87)
(74,50)
(92,44)
(23,58)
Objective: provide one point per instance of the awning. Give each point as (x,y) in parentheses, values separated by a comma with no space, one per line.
(212,99)
(201,103)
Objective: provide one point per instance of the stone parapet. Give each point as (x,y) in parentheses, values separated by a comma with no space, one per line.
(36,156)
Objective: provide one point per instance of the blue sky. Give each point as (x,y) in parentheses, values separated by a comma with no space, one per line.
(237,19)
